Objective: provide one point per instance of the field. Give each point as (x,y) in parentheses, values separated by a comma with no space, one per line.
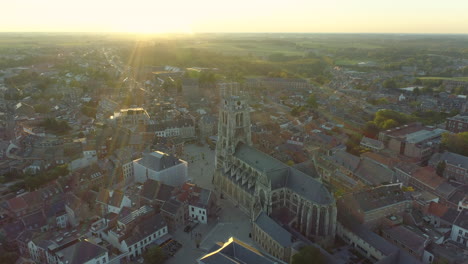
(243,48)
(460,79)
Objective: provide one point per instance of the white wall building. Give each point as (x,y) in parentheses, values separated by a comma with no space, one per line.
(134,233)
(459,232)
(161,167)
(127,170)
(200,206)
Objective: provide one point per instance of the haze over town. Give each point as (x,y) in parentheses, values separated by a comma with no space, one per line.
(233,132)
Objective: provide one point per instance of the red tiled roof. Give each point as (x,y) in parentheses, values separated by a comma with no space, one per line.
(17,204)
(437,209)
(428,176)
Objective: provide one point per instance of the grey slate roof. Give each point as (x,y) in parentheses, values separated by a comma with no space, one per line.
(81,252)
(346,160)
(145,228)
(378,197)
(171,206)
(282,175)
(373,173)
(366,234)
(462,219)
(158,161)
(156,190)
(450,158)
(308,168)
(408,237)
(274,230)
(235,252)
(204,198)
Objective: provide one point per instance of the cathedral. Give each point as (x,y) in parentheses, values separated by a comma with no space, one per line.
(257,182)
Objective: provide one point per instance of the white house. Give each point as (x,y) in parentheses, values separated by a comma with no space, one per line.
(136,231)
(199,207)
(459,232)
(128,174)
(161,167)
(87,158)
(83,252)
(112,201)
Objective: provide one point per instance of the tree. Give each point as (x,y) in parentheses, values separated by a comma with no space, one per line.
(370,130)
(89,111)
(312,102)
(154,255)
(389,123)
(389,84)
(457,143)
(441,168)
(41,108)
(54,126)
(309,254)
(416,91)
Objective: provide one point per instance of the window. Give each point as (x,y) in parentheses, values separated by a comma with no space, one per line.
(193,209)
(104,260)
(203,218)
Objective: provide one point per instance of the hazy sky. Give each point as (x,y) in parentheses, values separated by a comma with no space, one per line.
(156,16)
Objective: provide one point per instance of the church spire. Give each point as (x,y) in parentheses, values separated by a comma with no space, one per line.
(234,123)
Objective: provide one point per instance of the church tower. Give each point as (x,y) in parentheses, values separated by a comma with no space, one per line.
(233,127)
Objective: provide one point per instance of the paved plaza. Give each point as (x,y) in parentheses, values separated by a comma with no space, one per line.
(200,164)
(231,222)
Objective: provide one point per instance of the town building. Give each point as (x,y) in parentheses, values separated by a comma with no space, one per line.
(272,237)
(413,140)
(372,206)
(112,201)
(457,124)
(207,126)
(131,117)
(236,251)
(407,238)
(136,231)
(368,243)
(372,144)
(155,193)
(459,231)
(456,165)
(184,128)
(161,167)
(174,213)
(82,252)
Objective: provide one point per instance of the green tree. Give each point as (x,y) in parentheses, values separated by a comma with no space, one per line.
(307,255)
(389,123)
(457,143)
(154,255)
(312,101)
(370,129)
(89,111)
(441,168)
(41,108)
(389,84)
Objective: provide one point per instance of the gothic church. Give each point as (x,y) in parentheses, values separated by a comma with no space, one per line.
(258,182)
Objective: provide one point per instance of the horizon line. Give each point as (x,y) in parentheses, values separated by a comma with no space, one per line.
(221,32)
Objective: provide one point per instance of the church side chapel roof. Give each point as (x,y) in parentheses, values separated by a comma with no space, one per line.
(282,175)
